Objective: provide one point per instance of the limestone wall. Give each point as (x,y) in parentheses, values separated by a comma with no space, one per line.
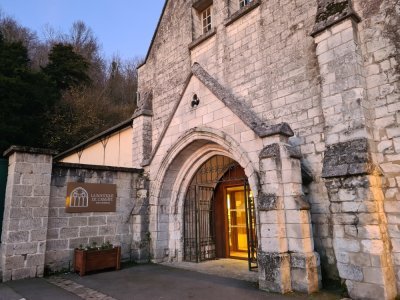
(380,44)
(23,239)
(328,68)
(67,231)
(266,57)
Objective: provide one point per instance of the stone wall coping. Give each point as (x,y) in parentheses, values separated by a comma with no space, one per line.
(243,11)
(330,13)
(202,38)
(27,149)
(142,112)
(348,159)
(239,108)
(96,167)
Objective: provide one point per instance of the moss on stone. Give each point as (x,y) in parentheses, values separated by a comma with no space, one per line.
(332,9)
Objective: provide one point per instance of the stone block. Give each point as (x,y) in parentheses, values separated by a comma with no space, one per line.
(41,190)
(278,245)
(365,291)
(274,272)
(107,230)
(360,259)
(352,272)
(20,213)
(34,260)
(266,202)
(40,212)
(88,231)
(77,242)
(297,217)
(78,221)
(345,219)
(57,244)
(57,223)
(271,217)
(298,230)
(38,235)
(14,262)
(342,257)
(22,273)
(97,220)
(300,245)
(18,237)
(349,245)
(22,190)
(305,272)
(32,201)
(53,234)
(372,246)
(59,256)
(374,275)
(69,232)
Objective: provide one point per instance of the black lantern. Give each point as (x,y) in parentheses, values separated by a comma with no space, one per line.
(195,101)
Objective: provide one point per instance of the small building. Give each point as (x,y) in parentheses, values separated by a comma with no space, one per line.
(112,147)
(265,130)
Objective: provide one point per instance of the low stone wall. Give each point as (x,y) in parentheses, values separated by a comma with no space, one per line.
(67,231)
(39,235)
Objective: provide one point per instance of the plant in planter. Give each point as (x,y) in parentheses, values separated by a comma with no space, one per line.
(94,258)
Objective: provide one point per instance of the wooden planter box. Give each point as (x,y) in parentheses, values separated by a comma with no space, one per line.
(95,260)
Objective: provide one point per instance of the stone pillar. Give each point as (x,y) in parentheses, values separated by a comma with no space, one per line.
(354,185)
(140,216)
(360,237)
(142,131)
(26,212)
(287,261)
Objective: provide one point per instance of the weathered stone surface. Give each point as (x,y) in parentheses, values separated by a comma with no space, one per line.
(274,274)
(267,202)
(348,158)
(305,272)
(352,272)
(331,12)
(270,151)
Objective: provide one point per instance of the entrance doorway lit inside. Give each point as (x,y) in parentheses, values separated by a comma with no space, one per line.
(219,214)
(237,228)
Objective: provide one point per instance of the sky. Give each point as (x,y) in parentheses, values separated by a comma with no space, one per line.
(123,27)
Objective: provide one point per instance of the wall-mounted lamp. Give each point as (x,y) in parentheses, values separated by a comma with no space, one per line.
(195,101)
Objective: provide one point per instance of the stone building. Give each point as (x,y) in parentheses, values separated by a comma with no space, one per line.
(266,130)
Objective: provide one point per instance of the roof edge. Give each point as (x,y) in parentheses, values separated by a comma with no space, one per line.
(26,149)
(95,138)
(154,35)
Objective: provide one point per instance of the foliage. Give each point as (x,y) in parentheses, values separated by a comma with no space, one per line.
(58,92)
(25,98)
(93,247)
(67,68)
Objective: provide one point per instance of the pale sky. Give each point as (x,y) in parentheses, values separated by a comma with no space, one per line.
(123,27)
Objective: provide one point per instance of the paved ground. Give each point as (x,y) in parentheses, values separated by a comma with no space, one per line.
(144,282)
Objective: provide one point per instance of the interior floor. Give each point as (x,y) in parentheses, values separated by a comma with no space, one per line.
(238,254)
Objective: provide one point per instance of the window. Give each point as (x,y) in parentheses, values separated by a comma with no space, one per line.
(206,19)
(243,3)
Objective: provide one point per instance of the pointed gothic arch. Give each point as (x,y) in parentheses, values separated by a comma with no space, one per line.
(171,182)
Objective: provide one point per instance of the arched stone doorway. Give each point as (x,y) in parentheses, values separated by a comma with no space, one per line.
(285,254)
(219,214)
(171,179)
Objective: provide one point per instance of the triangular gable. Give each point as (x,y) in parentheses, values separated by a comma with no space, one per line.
(238,108)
